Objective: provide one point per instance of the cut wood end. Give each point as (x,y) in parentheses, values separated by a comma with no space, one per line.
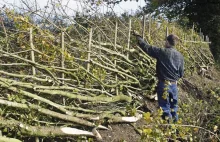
(102,127)
(96,134)
(21,125)
(74,131)
(95,118)
(68,113)
(132,119)
(132,50)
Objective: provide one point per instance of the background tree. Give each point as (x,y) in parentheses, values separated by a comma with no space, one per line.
(202,13)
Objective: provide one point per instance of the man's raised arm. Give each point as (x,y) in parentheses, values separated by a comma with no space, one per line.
(150,50)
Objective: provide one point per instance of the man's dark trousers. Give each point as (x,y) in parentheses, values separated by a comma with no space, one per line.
(168,98)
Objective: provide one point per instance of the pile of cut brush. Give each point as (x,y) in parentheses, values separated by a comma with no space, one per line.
(70,79)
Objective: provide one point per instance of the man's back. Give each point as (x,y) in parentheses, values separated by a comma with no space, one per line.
(169,64)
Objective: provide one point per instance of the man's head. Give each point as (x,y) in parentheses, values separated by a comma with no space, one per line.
(171,40)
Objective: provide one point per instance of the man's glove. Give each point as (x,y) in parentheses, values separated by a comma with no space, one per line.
(135,33)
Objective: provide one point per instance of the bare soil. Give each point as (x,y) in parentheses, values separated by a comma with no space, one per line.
(122,132)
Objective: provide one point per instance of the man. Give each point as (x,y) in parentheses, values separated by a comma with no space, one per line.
(169,68)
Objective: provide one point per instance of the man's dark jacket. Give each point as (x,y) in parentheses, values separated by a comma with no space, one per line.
(170,62)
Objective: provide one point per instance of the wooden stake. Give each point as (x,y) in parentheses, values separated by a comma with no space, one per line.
(206,38)
(203,37)
(89,50)
(62,55)
(129,37)
(200,33)
(149,26)
(32,51)
(192,32)
(116,34)
(143,24)
(62,60)
(37,139)
(115,61)
(33,60)
(167,33)
(99,40)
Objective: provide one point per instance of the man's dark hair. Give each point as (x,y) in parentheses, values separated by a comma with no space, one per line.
(172,39)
